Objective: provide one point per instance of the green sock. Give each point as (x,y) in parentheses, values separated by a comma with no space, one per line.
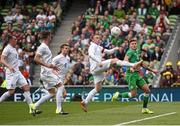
(145,101)
(124,95)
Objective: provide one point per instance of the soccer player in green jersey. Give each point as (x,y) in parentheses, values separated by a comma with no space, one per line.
(134,79)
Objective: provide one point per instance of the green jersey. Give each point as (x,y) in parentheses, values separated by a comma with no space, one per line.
(133,57)
(133,79)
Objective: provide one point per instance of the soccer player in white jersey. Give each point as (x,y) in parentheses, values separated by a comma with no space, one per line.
(98,66)
(51,82)
(62,61)
(14,78)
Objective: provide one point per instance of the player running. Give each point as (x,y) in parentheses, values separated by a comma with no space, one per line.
(51,82)
(98,66)
(134,79)
(14,77)
(62,61)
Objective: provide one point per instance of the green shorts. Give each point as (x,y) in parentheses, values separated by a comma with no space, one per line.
(134,81)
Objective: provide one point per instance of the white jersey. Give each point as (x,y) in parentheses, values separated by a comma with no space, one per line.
(95,55)
(46,55)
(11,57)
(63,63)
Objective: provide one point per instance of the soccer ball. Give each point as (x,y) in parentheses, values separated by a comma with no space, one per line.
(115,31)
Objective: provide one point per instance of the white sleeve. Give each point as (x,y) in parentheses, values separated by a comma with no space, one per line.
(41,50)
(109,51)
(92,55)
(5,52)
(55,61)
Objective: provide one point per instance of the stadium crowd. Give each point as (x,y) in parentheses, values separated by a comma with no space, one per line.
(26,21)
(150,22)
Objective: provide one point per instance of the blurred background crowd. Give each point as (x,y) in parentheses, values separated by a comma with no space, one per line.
(150,21)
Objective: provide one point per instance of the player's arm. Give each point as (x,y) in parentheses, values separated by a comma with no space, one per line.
(149,69)
(3,61)
(38,59)
(109,51)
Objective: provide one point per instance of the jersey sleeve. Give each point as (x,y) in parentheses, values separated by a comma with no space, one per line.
(129,54)
(41,50)
(5,52)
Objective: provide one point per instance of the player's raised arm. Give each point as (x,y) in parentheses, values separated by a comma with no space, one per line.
(110,51)
(149,69)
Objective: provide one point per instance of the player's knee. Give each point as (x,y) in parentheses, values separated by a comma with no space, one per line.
(147,91)
(98,87)
(52,91)
(26,88)
(133,94)
(11,92)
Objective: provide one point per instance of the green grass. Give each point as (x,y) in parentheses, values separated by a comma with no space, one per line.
(99,113)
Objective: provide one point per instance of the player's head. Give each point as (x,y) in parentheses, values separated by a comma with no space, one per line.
(133,44)
(46,36)
(64,48)
(12,41)
(97,39)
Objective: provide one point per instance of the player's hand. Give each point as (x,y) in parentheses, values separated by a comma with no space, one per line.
(155,71)
(132,69)
(54,67)
(116,48)
(12,69)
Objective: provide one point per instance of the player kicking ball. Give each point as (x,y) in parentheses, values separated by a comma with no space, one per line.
(98,66)
(134,79)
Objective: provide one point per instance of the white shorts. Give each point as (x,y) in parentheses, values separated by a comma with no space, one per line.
(98,71)
(15,80)
(50,80)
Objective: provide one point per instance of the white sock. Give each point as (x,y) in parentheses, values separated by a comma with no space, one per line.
(124,63)
(43,99)
(4,96)
(91,94)
(27,97)
(59,97)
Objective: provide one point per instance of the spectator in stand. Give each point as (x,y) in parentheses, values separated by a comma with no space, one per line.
(153,10)
(170,69)
(56,8)
(149,46)
(163,21)
(99,9)
(168,80)
(150,20)
(119,12)
(178,73)
(176,7)
(142,11)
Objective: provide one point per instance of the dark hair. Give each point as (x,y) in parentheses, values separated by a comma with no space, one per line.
(132,40)
(45,34)
(63,45)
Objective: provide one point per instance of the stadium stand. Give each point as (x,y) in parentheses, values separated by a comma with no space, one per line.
(26,21)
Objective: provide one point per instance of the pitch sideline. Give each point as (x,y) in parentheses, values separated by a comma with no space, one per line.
(148,118)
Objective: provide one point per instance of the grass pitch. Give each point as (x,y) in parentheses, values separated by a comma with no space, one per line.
(99,113)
